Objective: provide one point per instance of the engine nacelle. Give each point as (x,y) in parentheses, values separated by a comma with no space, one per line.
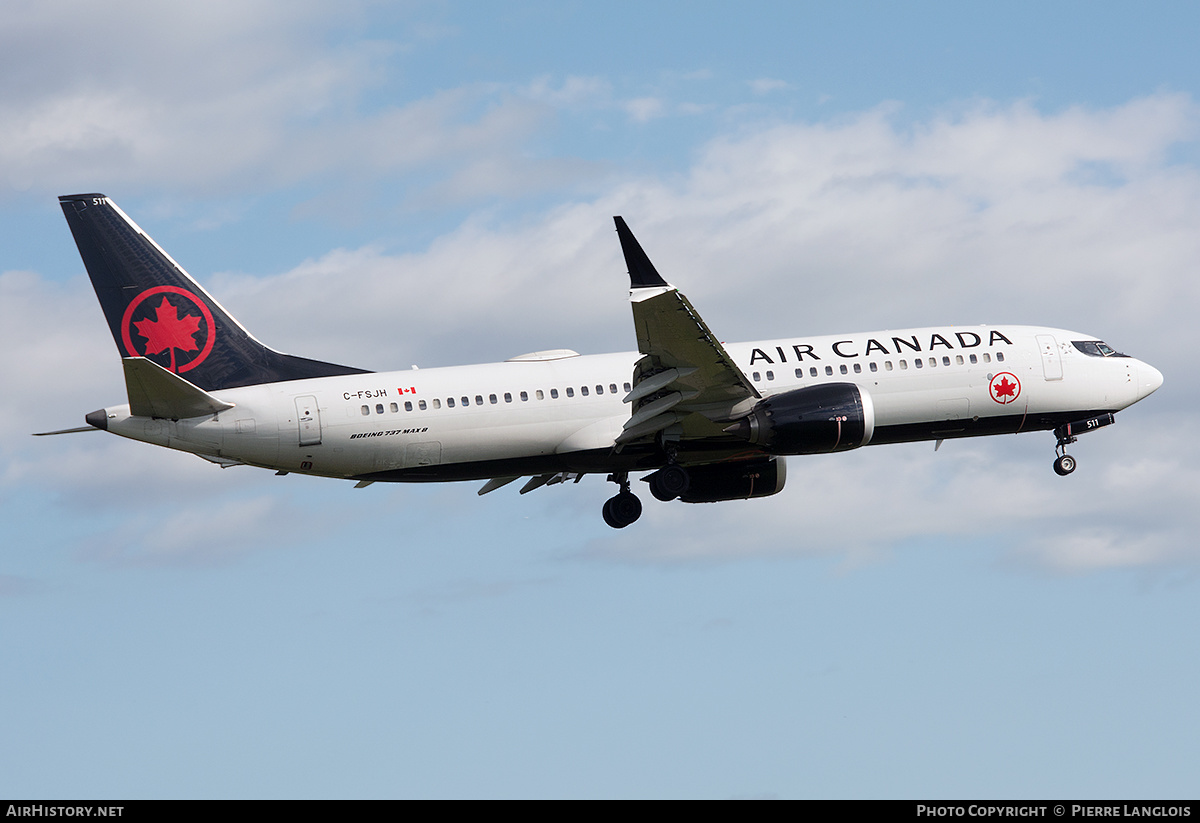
(735,481)
(829,417)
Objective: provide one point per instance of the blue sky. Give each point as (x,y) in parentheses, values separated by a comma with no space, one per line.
(433,183)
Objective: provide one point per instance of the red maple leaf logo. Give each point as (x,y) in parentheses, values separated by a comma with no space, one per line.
(168,331)
(1005,388)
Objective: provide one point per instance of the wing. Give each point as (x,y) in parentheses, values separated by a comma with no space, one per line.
(686,385)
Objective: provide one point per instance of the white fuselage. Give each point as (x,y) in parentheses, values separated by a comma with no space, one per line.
(562,412)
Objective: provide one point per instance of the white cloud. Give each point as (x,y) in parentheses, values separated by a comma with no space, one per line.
(572,91)
(766,85)
(642,109)
(202,533)
(254,97)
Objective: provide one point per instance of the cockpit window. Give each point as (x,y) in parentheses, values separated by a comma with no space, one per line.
(1096,348)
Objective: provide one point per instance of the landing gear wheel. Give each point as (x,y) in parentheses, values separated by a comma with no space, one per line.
(1064,464)
(622,510)
(670,482)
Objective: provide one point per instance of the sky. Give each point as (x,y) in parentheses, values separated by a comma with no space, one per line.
(388,184)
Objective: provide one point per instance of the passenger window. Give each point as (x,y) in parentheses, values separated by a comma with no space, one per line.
(449,402)
(770,375)
(540,395)
(524,397)
(628,388)
(408,405)
(394,408)
(958,360)
(492,399)
(554,394)
(974,359)
(756,377)
(583,390)
(437,404)
(812,372)
(987,358)
(1000,356)
(932,362)
(600,389)
(379,408)
(919,363)
(887,365)
(843,369)
(421,404)
(946,361)
(366,409)
(903,365)
(858,369)
(874,366)
(466,401)
(829,371)
(799,373)
(570,392)
(508,397)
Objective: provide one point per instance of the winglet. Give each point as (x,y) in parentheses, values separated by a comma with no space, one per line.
(642,274)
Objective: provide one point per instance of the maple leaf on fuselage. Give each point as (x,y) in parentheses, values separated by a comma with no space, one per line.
(1005,388)
(168,330)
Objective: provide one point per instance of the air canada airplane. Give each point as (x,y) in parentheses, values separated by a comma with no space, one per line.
(705,421)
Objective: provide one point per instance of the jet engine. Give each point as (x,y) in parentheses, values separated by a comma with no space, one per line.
(735,481)
(829,417)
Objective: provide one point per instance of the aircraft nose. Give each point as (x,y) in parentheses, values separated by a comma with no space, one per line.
(1149,379)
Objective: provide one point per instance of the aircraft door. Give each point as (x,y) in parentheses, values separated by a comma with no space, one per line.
(308,418)
(1051,359)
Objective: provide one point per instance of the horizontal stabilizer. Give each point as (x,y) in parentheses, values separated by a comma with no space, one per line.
(67,431)
(156,392)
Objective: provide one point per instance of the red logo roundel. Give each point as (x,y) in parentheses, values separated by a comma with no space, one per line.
(1005,387)
(168,321)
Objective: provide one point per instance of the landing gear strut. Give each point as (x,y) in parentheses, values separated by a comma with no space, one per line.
(1064,464)
(625,508)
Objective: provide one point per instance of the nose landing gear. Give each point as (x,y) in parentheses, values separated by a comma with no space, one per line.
(624,508)
(1064,464)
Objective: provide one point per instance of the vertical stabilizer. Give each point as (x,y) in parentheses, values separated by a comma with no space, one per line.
(156,311)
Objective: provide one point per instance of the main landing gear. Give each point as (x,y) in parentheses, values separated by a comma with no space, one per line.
(668,483)
(625,508)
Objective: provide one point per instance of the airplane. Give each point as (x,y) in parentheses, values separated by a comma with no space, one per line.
(706,421)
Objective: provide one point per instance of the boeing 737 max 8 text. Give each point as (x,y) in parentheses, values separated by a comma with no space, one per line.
(706,421)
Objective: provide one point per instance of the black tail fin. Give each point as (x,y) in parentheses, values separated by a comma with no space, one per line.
(155,310)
